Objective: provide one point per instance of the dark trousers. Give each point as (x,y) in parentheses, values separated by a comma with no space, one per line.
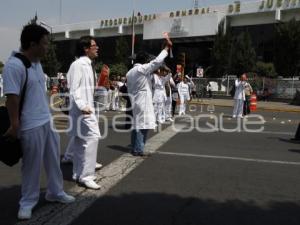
(173,107)
(246,108)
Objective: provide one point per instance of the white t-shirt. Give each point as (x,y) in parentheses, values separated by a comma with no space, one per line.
(35,111)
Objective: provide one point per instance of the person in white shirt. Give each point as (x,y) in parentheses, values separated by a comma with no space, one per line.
(85,130)
(1,86)
(239,96)
(40,144)
(184,95)
(139,83)
(159,93)
(168,103)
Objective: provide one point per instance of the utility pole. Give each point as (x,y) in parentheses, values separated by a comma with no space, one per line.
(196,4)
(60,11)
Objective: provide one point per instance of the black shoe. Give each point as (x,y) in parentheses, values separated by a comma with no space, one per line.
(295,139)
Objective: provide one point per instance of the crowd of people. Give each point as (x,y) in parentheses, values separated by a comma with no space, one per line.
(150,92)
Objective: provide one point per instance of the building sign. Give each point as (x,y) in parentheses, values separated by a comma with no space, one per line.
(234,8)
(199,72)
(177,28)
(270,4)
(188,26)
(126,21)
(190,12)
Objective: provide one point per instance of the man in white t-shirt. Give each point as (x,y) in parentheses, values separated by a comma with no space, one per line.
(40,144)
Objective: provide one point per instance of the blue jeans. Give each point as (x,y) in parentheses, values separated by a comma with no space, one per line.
(138,140)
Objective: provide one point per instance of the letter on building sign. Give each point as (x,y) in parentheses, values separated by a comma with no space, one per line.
(237,6)
(270,4)
(279,3)
(262,6)
(230,8)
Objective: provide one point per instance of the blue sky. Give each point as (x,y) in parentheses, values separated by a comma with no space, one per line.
(15,13)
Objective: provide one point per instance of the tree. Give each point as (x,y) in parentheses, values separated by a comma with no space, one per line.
(50,63)
(266,69)
(221,51)
(118,69)
(122,51)
(287,48)
(243,57)
(1,67)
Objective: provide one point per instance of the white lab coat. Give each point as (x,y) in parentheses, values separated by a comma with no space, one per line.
(160,97)
(81,78)
(139,83)
(184,95)
(239,98)
(239,90)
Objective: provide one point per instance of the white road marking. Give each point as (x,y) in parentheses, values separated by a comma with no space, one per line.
(229,158)
(110,175)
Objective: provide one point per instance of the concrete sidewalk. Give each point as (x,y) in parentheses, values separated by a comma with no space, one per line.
(261,105)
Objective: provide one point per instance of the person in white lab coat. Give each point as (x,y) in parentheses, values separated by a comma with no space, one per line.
(184,95)
(139,83)
(40,144)
(85,130)
(159,93)
(239,96)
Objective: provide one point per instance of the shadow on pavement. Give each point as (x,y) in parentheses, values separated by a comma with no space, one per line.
(156,208)
(289,140)
(9,204)
(119,148)
(294,150)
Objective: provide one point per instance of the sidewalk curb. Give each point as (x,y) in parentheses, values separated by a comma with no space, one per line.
(263,108)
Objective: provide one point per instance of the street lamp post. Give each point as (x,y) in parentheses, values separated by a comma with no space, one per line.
(133,33)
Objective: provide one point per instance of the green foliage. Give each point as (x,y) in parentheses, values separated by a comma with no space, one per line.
(98,66)
(118,69)
(243,57)
(122,51)
(1,67)
(50,62)
(265,69)
(221,51)
(287,48)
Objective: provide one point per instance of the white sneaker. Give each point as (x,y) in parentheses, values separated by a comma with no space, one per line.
(90,184)
(64,198)
(241,117)
(24,213)
(65,160)
(234,116)
(75,177)
(171,120)
(98,166)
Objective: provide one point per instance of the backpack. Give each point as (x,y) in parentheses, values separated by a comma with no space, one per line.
(11,151)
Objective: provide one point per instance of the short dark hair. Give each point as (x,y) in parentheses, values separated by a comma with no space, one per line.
(83,43)
(142,57)
(32,33)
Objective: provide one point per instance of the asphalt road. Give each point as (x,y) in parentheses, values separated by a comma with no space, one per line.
(194,178)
